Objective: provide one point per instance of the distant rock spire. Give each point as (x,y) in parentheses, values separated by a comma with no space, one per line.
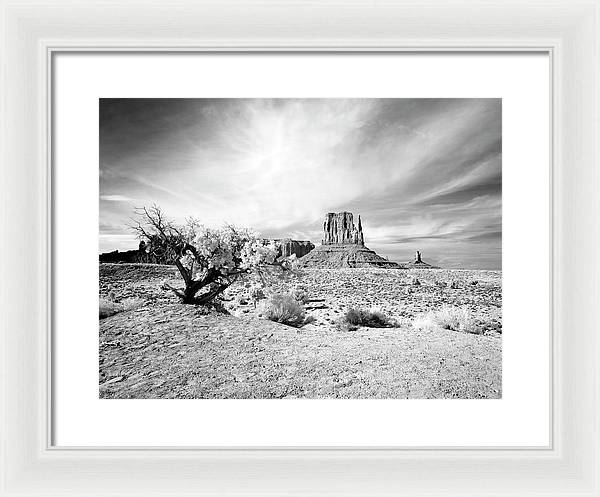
(361,238)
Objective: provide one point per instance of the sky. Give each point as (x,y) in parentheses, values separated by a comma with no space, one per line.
(424,174)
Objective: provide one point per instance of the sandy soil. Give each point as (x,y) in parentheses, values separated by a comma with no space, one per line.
(164,349)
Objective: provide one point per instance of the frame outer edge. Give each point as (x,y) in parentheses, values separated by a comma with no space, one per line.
(3,230)
(6,178)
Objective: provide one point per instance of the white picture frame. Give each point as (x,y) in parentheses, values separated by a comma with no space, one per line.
(569,31)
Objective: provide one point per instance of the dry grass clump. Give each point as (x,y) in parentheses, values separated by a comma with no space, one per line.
(108,307)
(370,318)
(300,294)
(343,325)
(449,318)
(310,319)
(256,295)
(283,308)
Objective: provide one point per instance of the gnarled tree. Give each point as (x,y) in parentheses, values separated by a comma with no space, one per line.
(209,260)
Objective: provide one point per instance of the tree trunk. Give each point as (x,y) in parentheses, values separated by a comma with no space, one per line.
(209,296)
(189,295)
(190,291)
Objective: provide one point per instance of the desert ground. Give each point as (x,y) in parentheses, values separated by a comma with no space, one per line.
(158,347)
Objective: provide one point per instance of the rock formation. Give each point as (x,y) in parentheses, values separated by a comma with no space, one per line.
(339,228)
(287,247)
(129,256)
(343,245)
(300,248)
(419,264)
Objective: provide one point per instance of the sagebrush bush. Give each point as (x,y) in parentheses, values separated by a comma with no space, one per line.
(300,294)
(370,318)
(283,308)
(343,325)
(449,318)
(310,319)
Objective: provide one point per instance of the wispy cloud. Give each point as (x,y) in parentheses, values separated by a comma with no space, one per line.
(424,173)
(116,198)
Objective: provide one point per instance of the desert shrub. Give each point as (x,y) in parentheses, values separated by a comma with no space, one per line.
(108,307)
(256,294)
(283,308)
(310,319)
(449,318)
(424,322)
(300,294)
(455,318)
(343,325)
(370,318)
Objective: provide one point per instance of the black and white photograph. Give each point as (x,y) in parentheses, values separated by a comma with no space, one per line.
(300,248)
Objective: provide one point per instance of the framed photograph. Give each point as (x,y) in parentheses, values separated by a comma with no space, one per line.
(335,248)
(277,168)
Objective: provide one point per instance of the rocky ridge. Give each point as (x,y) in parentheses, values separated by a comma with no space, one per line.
(288,247)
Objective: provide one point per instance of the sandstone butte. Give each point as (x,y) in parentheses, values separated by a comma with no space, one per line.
(343,245)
